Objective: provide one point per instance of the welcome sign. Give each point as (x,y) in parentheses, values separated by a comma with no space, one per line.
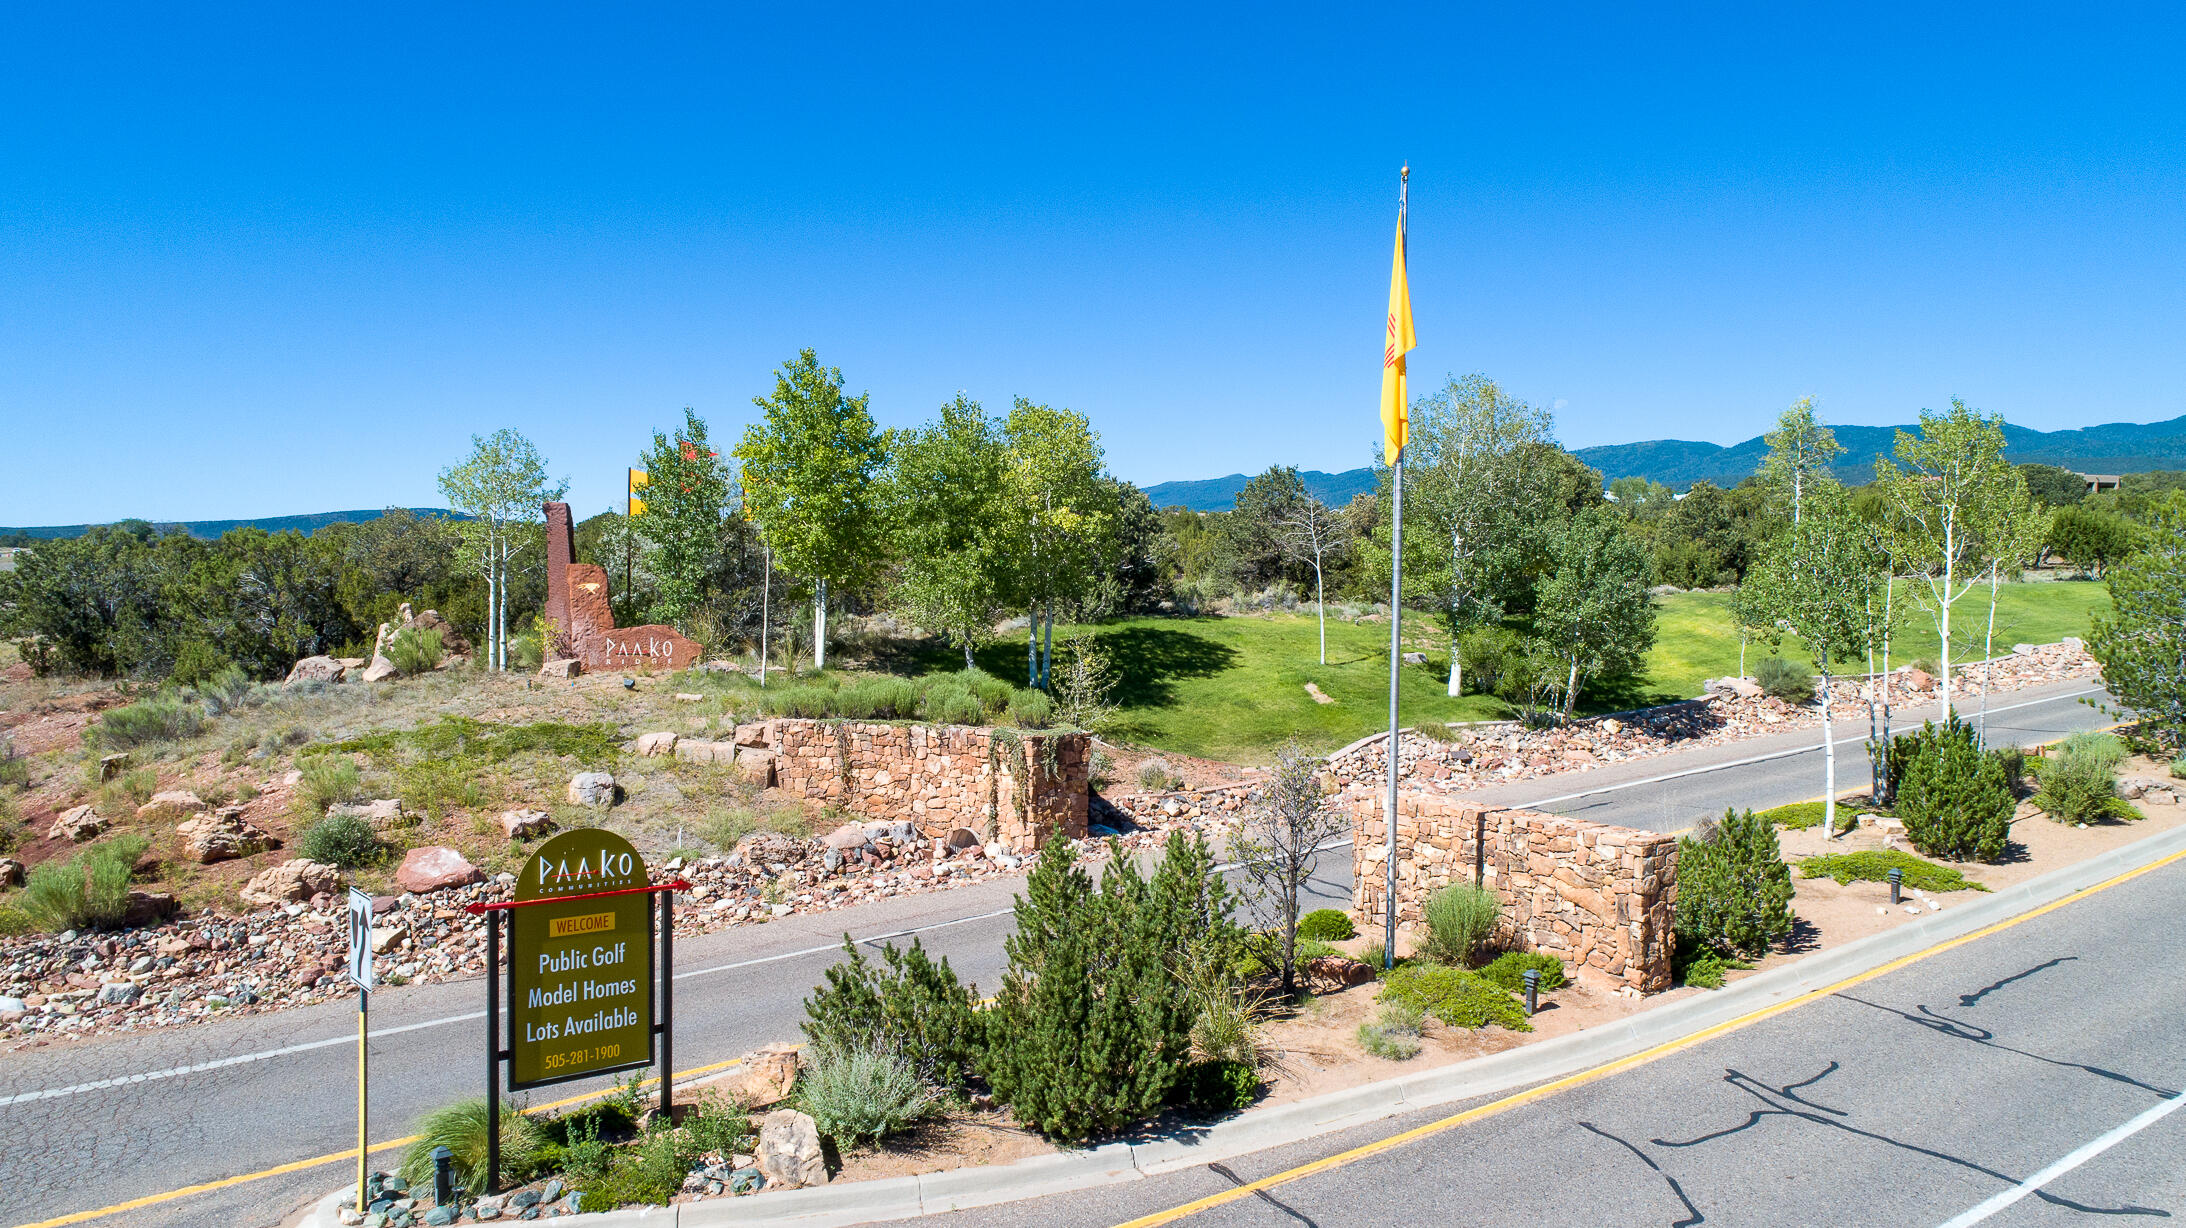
(580,964)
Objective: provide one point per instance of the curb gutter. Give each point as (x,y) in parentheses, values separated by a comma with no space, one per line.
(959,1189)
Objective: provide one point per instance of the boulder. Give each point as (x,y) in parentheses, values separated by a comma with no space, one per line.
(11,872)
(120,993)
(315,669)
(561,667)
(433,867)
(450,638)
(762,1078)
(754,733)
(111,766)
(789,1150)
(381,669)
(592,789)
(382,813)
(148,908)
(2137,788)
(965,838)
(1333,973)
(291,882)
(2022,650)
(1743,688)
(661,743)
(848,836)
(170,807)
(525,824)
(349,663)
(699,750)
(1415,658)
(2072,643)
(76,824)
(1918,679)
(223,836)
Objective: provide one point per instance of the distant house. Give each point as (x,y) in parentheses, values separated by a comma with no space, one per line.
(8,555)
(2099,482)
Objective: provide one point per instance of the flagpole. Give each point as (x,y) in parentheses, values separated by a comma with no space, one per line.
(1396,620)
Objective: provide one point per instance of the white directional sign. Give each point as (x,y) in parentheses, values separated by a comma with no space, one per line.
(360,939)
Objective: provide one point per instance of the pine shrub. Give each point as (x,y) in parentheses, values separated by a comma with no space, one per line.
(1733,888)
(1954,800)
(1460,919)
(1509,970)
(1215,1087)
(1326,925)
(909,1007)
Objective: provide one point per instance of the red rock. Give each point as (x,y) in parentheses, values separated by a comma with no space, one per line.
(435,867)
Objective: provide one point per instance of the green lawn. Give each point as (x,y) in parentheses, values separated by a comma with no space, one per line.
(1234,688)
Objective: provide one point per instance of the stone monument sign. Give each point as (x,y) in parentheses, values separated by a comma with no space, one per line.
(584,621)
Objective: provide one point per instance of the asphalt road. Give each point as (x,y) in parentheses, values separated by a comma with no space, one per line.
(2027,1077)
(97,1123)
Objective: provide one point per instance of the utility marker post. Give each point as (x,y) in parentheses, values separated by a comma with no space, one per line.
(360,975)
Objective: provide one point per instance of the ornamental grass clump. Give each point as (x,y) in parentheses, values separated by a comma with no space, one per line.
(1393,1034)
(1460,919)
(461,1128)
(1733,888)
(2079,781)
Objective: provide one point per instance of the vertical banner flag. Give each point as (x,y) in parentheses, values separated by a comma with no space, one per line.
(639,480)
(1397,341)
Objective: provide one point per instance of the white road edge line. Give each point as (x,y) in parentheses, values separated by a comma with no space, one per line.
(240,1059)
(1848,740)
(2081,1156)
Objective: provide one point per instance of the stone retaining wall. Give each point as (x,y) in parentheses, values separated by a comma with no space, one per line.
(940,777)
(1594,895)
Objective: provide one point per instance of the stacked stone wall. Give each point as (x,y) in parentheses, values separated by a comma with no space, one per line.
(940,777)
(1595,896)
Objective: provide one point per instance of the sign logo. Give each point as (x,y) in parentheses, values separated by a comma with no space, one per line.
(360,939)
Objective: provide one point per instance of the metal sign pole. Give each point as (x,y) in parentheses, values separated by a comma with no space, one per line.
(360,975)
(666,1024)
(363,1137)
(493,1052)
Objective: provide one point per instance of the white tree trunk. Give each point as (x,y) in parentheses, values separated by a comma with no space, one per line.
(819,626)
(1988,653)
(766,606)
(1571,688)
(1943,624)
(1320,605)
(1829,767)
(1047,646)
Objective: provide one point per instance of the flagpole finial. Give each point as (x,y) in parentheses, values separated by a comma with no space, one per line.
(1405,172)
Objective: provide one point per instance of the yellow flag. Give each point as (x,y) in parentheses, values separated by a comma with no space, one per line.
(1397,341)
(639,480)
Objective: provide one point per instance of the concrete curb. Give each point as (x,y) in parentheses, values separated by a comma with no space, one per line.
(1514,1069)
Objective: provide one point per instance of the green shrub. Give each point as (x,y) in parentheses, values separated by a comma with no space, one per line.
(325,780)
(197,661)
(1214,1087)
(1489,653)
(2079,781)
(994,694)
(1460,919)
(878,699)
(14,768)
(650,1170)
(1703,967)
(1374,955)
(909,1007)
(1091,1029)
(1099,778)
(1393,1034)
(131,789)
(1456,996)
(1785,680)
(863,1095)
(14,922)
(343,840)
(226,691)
(161,718)
(1327,925)
(960,708)
(461,1128)
(1509,970)
(806,701)
(525,653)
(1874,866)
(89,889)
(1226,1014)
(1733,888)
(1954,800)
(416,650)
(1799,816)
(1031,709)
(2178,768)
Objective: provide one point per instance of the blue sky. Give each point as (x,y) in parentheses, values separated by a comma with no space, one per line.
(257,262)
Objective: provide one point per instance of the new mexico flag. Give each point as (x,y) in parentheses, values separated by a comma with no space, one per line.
(1397,341)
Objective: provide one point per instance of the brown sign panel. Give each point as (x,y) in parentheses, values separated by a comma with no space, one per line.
(580,969)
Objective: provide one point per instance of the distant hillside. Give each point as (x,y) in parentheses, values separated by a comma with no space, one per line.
(1220,494)
(2113,447)
(214,528)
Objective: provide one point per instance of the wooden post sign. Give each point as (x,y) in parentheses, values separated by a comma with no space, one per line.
(580,962)
(586,994)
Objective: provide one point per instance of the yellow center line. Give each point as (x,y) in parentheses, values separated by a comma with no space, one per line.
(296,1166)
(1583,1077)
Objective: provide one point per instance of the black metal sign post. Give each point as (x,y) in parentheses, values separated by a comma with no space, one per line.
(501,1040)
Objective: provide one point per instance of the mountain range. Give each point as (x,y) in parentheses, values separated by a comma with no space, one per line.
(2113,447)
(305,523)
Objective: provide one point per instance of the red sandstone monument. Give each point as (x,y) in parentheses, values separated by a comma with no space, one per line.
(584,622)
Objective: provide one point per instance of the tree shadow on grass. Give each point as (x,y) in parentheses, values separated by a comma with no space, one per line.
(1148,661)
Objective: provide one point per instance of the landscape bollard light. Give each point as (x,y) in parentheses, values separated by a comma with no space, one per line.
(1897,880)
(1533,988)
(443,1180)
